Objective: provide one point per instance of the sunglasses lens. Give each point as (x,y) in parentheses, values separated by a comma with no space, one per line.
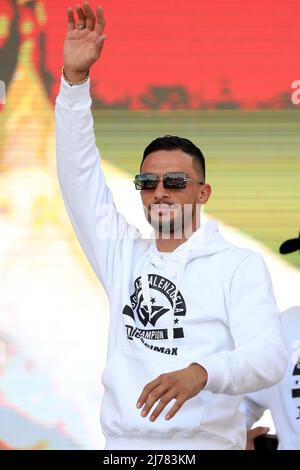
(146,181)
(175,180)
(150,181)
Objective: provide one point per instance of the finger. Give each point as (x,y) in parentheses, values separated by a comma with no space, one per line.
(81,16)
(176,407)
(71,19)
(100,24)
(259,431)
(90,17)
(153,397)
(250,443)
(164,401)
(146,391)
(100,41)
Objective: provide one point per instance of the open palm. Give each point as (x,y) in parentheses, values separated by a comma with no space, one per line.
(83,44)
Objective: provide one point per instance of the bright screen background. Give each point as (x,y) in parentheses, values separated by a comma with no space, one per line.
(219,73)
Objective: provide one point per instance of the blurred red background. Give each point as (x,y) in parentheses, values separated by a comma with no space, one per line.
(242,53)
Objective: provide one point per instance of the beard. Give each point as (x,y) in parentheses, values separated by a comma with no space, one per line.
(170,220)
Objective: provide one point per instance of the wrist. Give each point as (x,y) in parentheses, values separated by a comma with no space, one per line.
(73,77)
(202,371)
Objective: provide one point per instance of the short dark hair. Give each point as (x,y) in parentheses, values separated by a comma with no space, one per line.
(173,142)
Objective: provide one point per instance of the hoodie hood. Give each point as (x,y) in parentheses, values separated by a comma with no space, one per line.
(206,241)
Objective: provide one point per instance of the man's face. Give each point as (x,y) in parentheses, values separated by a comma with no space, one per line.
(170,210)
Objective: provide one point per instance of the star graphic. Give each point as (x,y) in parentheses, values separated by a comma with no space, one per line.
(176,321)
(153,300)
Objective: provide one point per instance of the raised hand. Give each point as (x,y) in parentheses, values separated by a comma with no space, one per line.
(83,42)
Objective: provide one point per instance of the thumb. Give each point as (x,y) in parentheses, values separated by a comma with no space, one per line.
(259,431)
(100,40)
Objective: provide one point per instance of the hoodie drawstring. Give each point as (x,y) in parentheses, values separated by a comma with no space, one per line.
(145,286)
(146,290)
(177,282)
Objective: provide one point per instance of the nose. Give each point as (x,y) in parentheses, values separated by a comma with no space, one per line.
(160,192)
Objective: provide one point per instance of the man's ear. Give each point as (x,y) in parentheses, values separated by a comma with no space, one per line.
(204,193)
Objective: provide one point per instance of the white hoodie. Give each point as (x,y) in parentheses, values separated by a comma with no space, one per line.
(283,399)
(225,316)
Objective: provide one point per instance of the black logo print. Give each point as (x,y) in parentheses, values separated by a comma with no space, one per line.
(162,293)
(296,391)
(149,317)
(296,372)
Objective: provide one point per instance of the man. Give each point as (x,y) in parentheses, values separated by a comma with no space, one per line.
(283,399)
(193,322)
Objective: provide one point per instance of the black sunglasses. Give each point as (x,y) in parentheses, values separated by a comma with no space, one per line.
(173,180)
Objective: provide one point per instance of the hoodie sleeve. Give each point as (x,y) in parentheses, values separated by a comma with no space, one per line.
(100,229)
(259,359)
(252,410)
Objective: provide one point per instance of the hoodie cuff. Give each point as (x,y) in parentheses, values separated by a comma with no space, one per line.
(217,373)
(74,97)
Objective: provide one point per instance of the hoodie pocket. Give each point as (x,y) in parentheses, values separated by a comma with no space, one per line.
(124,378)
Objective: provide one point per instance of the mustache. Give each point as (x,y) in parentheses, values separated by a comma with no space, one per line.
(162,204)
